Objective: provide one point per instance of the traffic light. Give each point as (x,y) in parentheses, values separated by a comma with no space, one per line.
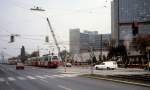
(12,38)
(46,39)
(135,28)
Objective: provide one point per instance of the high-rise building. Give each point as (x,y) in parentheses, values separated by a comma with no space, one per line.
(124,13)
(74,37)
(82,42)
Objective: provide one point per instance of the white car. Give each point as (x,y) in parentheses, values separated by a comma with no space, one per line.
(107,65)
(68,64)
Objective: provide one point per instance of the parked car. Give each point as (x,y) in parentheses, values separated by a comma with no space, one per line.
(109,65)
(19,66)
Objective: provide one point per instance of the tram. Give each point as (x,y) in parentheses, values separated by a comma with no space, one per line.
(44,61)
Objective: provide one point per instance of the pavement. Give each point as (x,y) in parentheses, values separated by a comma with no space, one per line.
(34,78)
(119,71)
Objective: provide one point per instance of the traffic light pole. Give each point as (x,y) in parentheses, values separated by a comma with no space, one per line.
(2,57)
(101,47)
(148,65)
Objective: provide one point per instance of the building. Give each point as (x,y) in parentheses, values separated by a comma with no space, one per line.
(124,13)
(81,43)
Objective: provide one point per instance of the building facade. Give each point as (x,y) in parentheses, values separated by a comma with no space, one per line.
(124,13)
(83,42)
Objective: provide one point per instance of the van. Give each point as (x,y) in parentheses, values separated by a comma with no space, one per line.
(109,65)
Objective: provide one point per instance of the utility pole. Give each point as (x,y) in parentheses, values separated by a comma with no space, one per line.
(101,47)
(38,51)
(2,57)
(118,23)
(66,62)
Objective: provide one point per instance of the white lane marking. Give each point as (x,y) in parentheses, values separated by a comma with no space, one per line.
(21,78)
(63,87)
(40,77)
(49,76)
(30,77)
(11,79)
(2,79)
(59,76)
(69,75)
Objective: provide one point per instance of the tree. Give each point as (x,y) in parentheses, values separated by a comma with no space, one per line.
(23,54)
(35,54)
(63,54)
(141,42)
(121,51)
(94,59)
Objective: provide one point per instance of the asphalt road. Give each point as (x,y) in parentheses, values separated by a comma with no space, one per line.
(33,78)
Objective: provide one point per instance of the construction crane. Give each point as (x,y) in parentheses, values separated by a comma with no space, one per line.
(54,37)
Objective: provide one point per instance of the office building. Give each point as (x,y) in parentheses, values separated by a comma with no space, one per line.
(124,13)
(83,42)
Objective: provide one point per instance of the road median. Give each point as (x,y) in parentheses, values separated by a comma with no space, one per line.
(117,78)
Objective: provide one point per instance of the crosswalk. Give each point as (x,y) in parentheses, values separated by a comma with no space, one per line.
(36,77)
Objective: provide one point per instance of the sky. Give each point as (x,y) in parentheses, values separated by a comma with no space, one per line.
(17,18)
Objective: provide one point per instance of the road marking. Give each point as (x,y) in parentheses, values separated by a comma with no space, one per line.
(21,78)
(58,75)
(11,79)
(40,77)
(2,79)
(63,87)
(30,77)
(69,75)
(49,76)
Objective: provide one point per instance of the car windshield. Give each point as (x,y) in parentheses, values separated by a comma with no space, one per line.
(55,57)
(102,64)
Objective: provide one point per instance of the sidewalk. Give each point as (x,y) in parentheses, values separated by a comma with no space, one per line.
(119,71)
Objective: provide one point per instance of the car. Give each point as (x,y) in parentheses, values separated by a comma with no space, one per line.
(109,65)
(68,64)
(19,66)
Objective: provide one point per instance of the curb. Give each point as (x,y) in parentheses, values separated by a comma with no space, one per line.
(126,82)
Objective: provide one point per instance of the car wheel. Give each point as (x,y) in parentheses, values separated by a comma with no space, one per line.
(108,68)
(96,68)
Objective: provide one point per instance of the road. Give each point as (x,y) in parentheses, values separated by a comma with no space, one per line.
(33,78)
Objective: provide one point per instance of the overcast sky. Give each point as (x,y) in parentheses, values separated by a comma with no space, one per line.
(17,18)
